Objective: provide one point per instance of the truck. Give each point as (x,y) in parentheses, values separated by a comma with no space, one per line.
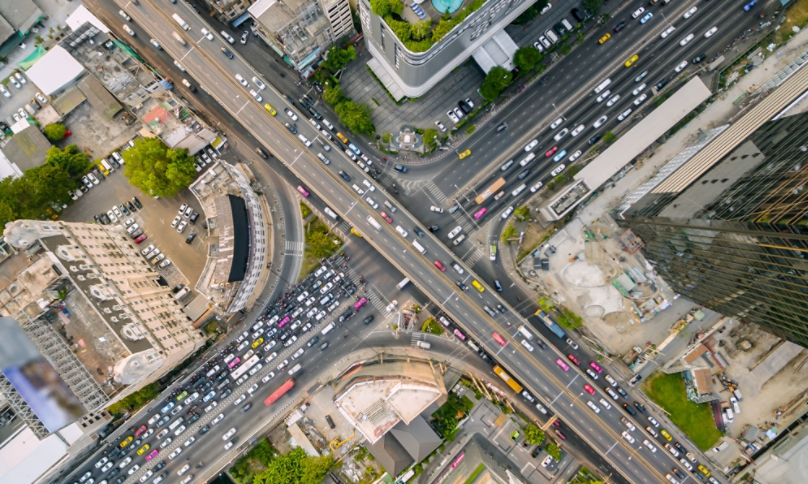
(508,380)
(181,22)
(178,38)
(279,392)
(403,283)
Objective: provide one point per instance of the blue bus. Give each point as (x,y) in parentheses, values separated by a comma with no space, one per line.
(554,327)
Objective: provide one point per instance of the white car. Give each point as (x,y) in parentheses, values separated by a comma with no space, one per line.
(101,462)
(604,95)
(189,441)
(600,122)
(155,43)
(176,221)
(165,264)
(558,170)
(628,423)
(624,114)
(638,12)
(291,114)
(668,31)
(649,445)
(241,80)
(577,130)
(640,99)
(710,32)
(206,33)
(270,376)
(687,39)
(557,123)
(611,380)
(613,100)
(176,452)
(575,156)
(546,461)
(128,30)
(182,226)
(638,89)
(531,145)
(453,117)
(183,470)
(211,406)
(686,464)
(147,475)
(653,421)
(256,95)
(125,462)
(179,430)
(592,405)
(112,216)
(454,232)
(228,445)
(681,66)
(628,437)
(690,12)
(217,419)
(165,443)
(19,77)
(240,400)
(507,212)
(229,434)
(436,209)
(133,469)
(561,134)
(123,14)
(258,83)
(440,126)
(605,404)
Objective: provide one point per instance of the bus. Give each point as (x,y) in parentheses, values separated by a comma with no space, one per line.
(508,380)
(244,368)
(548,321)
(494,188)
(372,221)
(279,392)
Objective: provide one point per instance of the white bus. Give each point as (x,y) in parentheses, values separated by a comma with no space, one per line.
(418,247)
(376,225)
(327,329)
(527,334)
(181,22)
(244,367)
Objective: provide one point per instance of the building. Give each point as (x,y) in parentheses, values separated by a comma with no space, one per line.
(783,462)
(230,11)
(479,461)
(16,19)
(128,310)
(726,227)
(301,31)
(384,402)
(28,148)
(411,72)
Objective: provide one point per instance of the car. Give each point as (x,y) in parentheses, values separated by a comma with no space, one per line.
(244,38)
(560,156)
(572,158)
(624,115)
(561,134)
(710,32)
(533,143)
(507,212)
(4,91)
(631,60)
(454,232)
(620,26)
(699,58)
(241,80)
(101,462)
(641,99)
(653,421)
(206,33)
(704,471)
(155,43)
(401,168)
(464,154)
(143,449)
(591,374)
(453,117)
(613,100)
(464,107)
(638,12)
(573,359)
(589,389)
(646,18)
(386,217)
(604,95)
(667,32)
(746,7)
(458,112)
(229,434)
(174,454)
(551,151)
(650,446)
(227,53)
(690,12)
(600,122)
(628,437)
(681,66)
(665,434)
(640,407)
(255,95)
(687,39)
(603,39)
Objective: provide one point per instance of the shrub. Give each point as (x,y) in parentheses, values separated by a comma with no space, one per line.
(55,131)
(495,82)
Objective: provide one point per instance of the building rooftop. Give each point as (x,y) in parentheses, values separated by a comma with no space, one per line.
(100,99)
(28,148)
(20,14)
(703,378)
(54,70)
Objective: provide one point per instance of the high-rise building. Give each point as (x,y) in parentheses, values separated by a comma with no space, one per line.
(726,222)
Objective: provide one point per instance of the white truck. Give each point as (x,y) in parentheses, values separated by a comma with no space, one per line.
(181,22)
(178,38)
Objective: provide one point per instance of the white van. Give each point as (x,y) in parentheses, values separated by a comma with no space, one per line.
(376,225)
(327,329)
(728,415)
(418,247)
(603,85)
(551,36)
(527,334)
(566,24)
(181,22)
(295,369)
(107,165)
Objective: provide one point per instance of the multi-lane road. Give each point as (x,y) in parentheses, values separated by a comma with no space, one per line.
(562,390)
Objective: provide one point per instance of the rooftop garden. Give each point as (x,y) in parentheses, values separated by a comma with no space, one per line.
(421,36)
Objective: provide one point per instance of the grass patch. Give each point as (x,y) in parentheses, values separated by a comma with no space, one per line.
(320,244)
(375,101)
(475,474)
(305,211)
(432,326)
(695,420)
(797,16)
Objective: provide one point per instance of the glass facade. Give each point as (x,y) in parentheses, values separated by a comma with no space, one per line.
(736,239)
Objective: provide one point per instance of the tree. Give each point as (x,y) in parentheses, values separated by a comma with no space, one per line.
(527,57)
(333,95)
(522,213)
(609,138)
(157,170)
(593,5)
(508,233)
(55,131)
(383,8)
(495,82)
(400,28)
(71,160)
(421,30)
(135,400)
(294,468)
(569,320)
(553,451)
(48,183)
(339,58)
(355,116)
(534,435)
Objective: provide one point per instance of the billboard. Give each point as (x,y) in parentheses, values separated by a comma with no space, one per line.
(35,379)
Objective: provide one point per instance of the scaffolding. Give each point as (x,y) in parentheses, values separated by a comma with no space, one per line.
(22,409)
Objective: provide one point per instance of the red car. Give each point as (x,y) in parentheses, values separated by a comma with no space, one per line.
(557,423)
(140,239)
(573,359)
(589,389)
(551,152)
(440,266)
(560,435)
(386,217)
(140,430)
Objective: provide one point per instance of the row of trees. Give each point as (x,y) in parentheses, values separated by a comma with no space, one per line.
(32,195)
(136,400)
(355,117)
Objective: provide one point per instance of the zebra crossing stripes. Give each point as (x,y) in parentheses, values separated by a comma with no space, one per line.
(436,192)
(471,257)
(292,247)
(344,227)
(464,222)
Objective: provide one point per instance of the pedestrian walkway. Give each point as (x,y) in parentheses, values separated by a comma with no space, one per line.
(294,248)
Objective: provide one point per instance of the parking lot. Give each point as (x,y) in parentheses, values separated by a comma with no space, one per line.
(19,97)
(155,219)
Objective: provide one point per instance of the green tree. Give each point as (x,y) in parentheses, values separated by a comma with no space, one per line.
(546,304)
(495,82)
(569,320)
(135,400)
(565,49)
(339,58)
(71,160)
(49,183)
(384,8)
(527,57)
(508,233)
(156,169)
(609,138)
(320,243)
(355,116)
(534,434)
(55,131)
(593,5)
(421,30)
(400,28)
(522,213)
(333,95)
(430,137)
(294,468)
(553,451)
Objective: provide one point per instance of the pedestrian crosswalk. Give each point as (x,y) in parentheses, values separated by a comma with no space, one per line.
(472,256)
(463,221)
(344,227)
(292,247)
(435,191)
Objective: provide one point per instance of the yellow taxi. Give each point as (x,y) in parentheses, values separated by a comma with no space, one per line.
(704,471)
(127,441)
(464,154)
(270,109)
(257,342)
(477,286)
(604,39)
(342,137)
(666,435)
(632,60)
(143,449)
(356,233)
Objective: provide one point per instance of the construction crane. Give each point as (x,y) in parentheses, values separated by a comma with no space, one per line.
(337,443)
